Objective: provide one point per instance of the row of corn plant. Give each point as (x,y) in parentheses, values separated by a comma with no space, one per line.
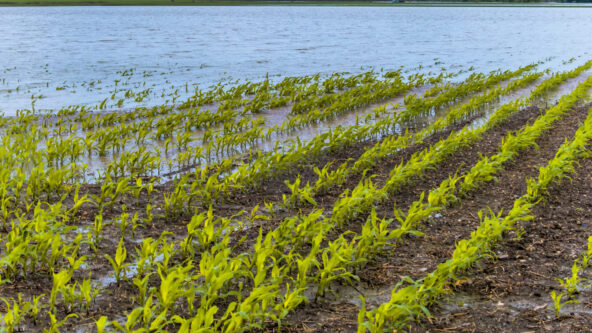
(572,285)
(66,289)
(328,270)
(283,160)
(456,186)
(323,181)
(410,299)
(365,195)
(335,263)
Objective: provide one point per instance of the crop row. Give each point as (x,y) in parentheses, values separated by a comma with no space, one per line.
(573,283)
(268,274)
(272,165)
(411,298)
(309,229)
(194,283)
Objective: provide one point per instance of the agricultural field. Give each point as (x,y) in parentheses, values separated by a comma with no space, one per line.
(372,202)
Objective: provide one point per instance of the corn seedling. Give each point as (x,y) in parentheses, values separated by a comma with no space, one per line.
(557,304)
(118,263)
(572,284)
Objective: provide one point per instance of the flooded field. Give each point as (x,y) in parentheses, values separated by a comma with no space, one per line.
(326,169)
(249,206)
(60,56)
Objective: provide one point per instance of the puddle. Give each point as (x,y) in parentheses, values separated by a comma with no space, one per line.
(456,303)
(170,166)
(131,272)
(550,99)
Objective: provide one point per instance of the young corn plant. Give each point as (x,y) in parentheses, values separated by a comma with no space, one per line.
(133,319)
(87,293)
(173,286)
(270,206)
(327,179)
(256,217)
(69,296)
(146,256)
(123,221)
(173,203)
(572,284)
(304,265)
(102,324)
(142,285)
(358,202)
(335,260)
(98,227)
(137,190)
(36,307)
(151,319)
(443,196)
(135,223)
(118,263)
(374,238)
(54,325)
(202,322)
(217,269)
(253,310)
(120,190)
(77,203)
(106,191)
(299,195)
(557,304)
(206,230)
(588,254)
(149,216)
(418,212)
(291,299)
(166,251)
(60,280)
(15,313)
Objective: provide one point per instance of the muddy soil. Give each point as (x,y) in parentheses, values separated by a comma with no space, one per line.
(510,294)
(413,258)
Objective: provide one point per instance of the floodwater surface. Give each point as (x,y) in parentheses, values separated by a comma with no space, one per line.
(59,56)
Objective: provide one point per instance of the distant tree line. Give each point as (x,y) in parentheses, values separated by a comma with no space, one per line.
(444,1)
(491,1)
(501,1)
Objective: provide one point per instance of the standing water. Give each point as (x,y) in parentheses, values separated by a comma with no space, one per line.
(59,56)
